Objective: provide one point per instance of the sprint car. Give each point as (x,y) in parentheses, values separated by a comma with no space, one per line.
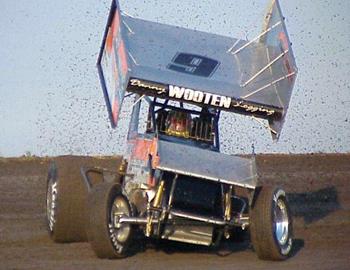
(173,182)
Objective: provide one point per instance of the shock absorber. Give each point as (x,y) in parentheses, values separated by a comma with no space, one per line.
(228,204)
(123,166)
(159,195)
(156,204)
(228,210)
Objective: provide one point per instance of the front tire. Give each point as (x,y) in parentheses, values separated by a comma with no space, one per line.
(106,201)
(271,225)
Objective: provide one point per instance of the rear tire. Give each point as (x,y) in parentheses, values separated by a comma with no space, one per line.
(65,204)
(271,227)
(104,202)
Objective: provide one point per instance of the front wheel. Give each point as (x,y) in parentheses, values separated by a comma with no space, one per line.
(271,225)
(106,203)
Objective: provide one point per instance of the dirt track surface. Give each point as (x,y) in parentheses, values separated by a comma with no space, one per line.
(319,192)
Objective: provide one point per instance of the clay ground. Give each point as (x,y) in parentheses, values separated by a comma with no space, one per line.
(319,193)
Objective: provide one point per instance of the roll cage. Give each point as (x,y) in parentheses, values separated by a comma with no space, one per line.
(203,129)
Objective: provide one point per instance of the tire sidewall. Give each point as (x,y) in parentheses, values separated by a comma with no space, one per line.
(119,248)
(52,190)
(68,219)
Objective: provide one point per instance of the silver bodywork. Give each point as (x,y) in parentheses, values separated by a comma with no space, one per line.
(206,164)
(256,74)
(153,45)
(162,62)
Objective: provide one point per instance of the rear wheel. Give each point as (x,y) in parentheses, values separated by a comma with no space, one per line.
(106,203)
(65,204)
(271,225)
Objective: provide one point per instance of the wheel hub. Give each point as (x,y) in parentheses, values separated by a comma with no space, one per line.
(119,209)
(281,222)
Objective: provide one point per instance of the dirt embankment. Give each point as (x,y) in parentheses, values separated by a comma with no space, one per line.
(318,187)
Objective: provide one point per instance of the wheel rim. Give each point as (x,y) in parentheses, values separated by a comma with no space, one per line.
(119,209)
(281,222)
(51,200)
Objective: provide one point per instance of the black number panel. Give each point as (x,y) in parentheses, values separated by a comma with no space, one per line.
(193,64)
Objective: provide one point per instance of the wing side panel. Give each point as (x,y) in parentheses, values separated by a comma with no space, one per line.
(113,63)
